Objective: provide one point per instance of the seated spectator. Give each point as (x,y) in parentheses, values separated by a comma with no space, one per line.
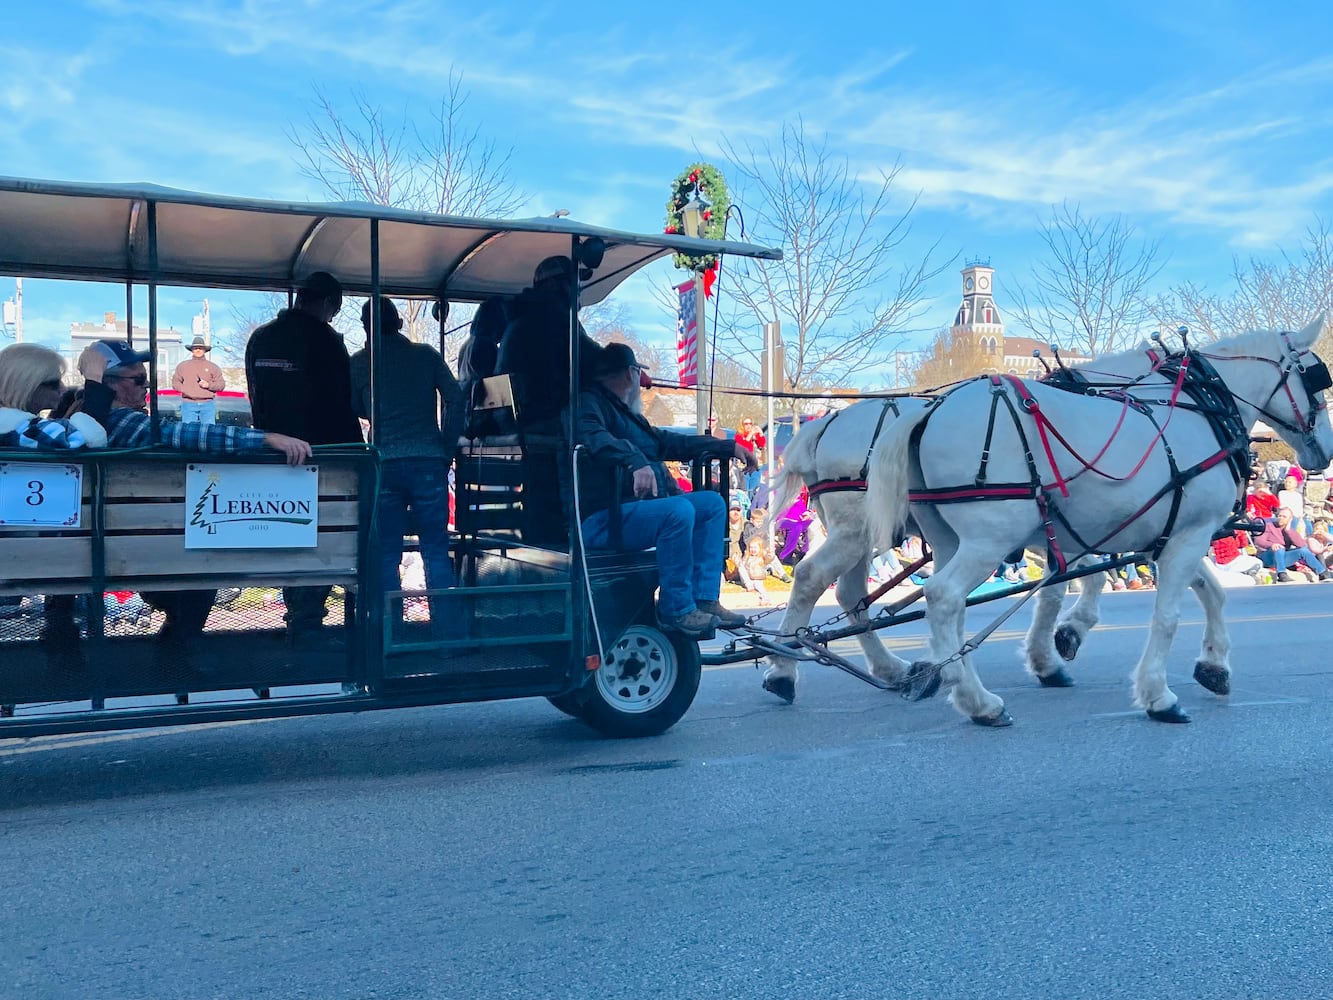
(1282,548)
(736,570)
(1234,561)
(754,528)
(1291,497)
(794,525)
(30,384)
(115,393)
(625,469)
(909,552)
(1320,542)
(682,477)
(1261,503)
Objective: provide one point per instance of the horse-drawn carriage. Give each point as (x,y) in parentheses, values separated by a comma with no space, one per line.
(535,617)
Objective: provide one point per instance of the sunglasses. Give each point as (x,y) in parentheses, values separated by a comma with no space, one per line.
(139,380)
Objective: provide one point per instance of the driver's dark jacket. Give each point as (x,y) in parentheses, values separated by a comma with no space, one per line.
(619,440)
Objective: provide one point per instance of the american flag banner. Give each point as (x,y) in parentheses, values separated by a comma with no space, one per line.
(687,335)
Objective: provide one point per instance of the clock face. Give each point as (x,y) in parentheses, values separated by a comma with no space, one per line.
(968,284)
(984,282)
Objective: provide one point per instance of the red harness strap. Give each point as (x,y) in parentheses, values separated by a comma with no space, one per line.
(836,486)
(1031,405)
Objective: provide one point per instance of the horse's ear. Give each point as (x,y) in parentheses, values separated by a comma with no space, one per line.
(1310,334)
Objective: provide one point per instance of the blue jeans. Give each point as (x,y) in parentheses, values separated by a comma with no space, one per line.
(688,530)
(199,413)
(414,492)
(1283,559)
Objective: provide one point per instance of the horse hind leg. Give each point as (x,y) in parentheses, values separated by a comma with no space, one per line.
(813,576)
(1083,617)
(851,592)
(946,597)
(1213,668)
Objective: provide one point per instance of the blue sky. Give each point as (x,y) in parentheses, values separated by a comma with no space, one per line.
(1206,124)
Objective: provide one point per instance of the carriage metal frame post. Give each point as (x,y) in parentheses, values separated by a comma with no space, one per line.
(116,233)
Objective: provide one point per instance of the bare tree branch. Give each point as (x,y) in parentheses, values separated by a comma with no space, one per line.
(1284,293)
(841,291)
(1092,292)
(443,167)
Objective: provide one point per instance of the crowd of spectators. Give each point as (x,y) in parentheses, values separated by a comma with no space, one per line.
(1290,542)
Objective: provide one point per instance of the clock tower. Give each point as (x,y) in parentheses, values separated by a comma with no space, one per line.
(977,318)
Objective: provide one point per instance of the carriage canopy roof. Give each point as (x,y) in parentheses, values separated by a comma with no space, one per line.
(52,229)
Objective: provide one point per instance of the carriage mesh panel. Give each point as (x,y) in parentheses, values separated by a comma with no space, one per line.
(243,646)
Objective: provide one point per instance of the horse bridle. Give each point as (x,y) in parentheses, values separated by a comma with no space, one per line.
(1314,377)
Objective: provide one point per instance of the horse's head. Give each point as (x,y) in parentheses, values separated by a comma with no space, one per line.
(1295,407)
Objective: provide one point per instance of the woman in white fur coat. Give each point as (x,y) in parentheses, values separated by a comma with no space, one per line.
(31,384)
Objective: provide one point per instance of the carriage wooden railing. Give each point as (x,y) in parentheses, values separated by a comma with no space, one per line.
(132,530)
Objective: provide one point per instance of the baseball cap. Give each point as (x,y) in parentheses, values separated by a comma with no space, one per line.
(615,357)
(119,354)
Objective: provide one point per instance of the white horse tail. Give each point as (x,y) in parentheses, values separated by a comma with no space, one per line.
(886,485)
(798,469)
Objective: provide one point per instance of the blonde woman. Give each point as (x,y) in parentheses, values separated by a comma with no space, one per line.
(30,384)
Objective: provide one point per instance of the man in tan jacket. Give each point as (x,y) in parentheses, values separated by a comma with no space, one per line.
(198,380)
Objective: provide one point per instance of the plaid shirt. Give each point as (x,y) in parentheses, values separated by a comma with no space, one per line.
(128,428)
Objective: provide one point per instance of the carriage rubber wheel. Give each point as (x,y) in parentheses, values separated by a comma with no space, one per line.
(647,681)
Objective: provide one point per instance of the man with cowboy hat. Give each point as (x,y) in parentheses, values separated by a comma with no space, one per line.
(198,380)
(625,469)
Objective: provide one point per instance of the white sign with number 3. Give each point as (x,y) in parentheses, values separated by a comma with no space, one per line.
(37,494)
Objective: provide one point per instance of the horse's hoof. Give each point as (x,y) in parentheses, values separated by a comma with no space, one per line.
(1056,679)
(1214,678)
(782,686)
(923,681)
(1067,641)
(997,721)
(1173,714)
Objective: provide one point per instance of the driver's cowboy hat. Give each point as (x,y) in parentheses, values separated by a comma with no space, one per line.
(198,342)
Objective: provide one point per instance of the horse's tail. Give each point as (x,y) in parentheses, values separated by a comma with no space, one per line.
(886,485)
(798,469)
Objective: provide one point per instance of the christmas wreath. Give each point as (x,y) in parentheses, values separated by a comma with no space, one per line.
(705,181)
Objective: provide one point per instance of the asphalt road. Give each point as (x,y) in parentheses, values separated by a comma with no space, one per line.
(852,845)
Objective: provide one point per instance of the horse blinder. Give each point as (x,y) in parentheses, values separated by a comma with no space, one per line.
(1315,378)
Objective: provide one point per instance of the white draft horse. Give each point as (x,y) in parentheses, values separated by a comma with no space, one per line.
(831,458)
(999,463)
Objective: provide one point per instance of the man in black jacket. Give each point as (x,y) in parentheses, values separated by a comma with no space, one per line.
(688,529)
(300,382)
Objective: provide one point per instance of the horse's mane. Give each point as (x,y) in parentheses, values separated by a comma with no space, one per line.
(1128,354)
(1250,342)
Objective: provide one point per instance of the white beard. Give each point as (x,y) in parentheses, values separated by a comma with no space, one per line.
(634,399)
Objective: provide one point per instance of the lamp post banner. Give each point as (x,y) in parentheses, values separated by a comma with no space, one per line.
(687,334)
(251,507)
